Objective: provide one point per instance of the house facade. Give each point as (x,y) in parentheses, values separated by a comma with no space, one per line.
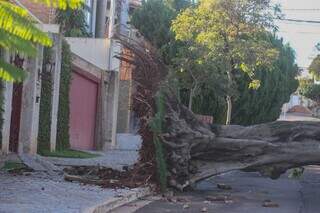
(94,88)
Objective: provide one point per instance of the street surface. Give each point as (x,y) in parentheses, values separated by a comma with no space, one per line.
(250,191)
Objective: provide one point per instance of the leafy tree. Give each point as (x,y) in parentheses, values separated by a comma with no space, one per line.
(187,66)
(278,82)
(231,32)
(310,90)
(153,20)
(314,68)
(208,101)
(73,22)
(18,33)
(195,73)
(304,83)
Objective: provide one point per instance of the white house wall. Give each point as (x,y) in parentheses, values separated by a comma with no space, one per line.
(93,50)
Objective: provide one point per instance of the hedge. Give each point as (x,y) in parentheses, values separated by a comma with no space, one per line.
(46,103)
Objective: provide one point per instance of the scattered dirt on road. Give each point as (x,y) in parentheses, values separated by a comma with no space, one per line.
(270,204)
(106,177)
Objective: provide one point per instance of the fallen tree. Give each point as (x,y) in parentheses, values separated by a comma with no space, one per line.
(195,151)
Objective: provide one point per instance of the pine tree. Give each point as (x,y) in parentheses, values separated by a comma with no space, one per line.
(19,33)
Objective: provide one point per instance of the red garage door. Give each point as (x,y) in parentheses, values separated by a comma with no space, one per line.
(83,105)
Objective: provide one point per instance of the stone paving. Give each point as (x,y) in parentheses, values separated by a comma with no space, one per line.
(39,193)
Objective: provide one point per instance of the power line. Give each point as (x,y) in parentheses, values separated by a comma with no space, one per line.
(298,9)
(299,24)
(300,32)
(298,20)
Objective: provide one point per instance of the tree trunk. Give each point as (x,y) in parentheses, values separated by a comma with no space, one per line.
(229,98)
(191,99)
(229,110)
(196,151)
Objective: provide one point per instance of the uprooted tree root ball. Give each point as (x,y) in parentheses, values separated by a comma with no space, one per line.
(195,151)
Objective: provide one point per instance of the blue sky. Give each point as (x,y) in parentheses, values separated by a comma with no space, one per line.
(302,36)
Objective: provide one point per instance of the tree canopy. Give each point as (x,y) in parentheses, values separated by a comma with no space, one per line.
(314,68)
(310,90)
(72,22)
(278,82)
(230,31)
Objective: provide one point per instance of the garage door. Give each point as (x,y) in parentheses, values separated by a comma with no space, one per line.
(83,106)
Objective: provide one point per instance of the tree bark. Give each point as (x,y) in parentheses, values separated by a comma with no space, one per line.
(196,151)
(229,109)
(191,99)
(229,97)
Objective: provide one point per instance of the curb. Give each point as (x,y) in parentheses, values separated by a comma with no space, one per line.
(116,202)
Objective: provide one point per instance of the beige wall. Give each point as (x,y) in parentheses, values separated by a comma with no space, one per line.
(93,50)
(124,107)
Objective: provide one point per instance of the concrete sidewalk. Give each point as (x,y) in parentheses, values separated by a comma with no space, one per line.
(114,159)
(39,192)
(125,154)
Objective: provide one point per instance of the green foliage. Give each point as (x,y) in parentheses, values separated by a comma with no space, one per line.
(63,142)
(73,22)
(61,4)
(310,90)
(314,68)
(13,165)
(153,21)
(230,30)
(230,33)
(1,109)
(157,127)
(145,17)
(208,102)
(18,33)
(69,153)
(278,82)
(178,5)
(296,173)
(161,12)
(254,106)
(45,104)
(184,59)
(194,73)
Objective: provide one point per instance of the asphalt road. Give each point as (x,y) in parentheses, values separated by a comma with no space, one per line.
(250,191)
